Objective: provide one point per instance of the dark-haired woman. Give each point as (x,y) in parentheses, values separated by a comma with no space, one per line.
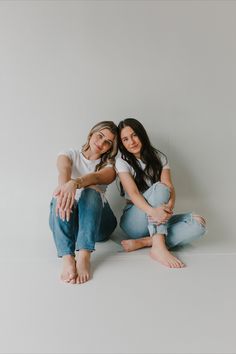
(80,214)
(148,217)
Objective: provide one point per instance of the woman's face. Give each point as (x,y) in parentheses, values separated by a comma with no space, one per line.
(131,141)
(101,141)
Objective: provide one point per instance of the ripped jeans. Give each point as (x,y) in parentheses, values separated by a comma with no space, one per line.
(91,220)
(179,230)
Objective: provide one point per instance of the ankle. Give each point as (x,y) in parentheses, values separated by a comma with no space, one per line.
(158,241)
(68,257)
(84,253)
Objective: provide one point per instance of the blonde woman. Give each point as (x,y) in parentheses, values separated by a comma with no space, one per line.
(80,215)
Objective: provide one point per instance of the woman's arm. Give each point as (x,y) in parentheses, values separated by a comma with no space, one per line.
(104,176)
(65,196)
(64,166)
(129,185)
(65,193)
(166,179)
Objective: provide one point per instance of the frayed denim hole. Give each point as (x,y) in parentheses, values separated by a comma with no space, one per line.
(202,220)
(188,218)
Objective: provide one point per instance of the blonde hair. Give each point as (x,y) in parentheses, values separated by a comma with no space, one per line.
(109,156)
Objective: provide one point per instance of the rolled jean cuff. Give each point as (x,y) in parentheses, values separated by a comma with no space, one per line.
(157,229)
(85,247)
(62,254)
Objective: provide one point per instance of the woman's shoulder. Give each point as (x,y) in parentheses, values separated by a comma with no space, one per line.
(72,153)
(122,165)
(164,160)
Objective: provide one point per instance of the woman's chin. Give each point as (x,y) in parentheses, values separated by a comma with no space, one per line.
(135,152)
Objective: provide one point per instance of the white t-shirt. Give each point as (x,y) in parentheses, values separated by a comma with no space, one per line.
(82,166)
(124,166)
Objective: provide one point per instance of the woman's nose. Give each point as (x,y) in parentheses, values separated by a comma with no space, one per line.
(100,144)
(131,141)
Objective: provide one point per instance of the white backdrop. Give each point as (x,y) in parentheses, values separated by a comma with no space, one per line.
(65,65)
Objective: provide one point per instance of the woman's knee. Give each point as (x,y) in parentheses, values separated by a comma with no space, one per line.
(91,195)
(160,194)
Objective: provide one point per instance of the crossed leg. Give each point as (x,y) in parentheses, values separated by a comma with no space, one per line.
(159,250)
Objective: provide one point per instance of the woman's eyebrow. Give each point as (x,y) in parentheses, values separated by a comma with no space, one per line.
(105,137)
(126,136)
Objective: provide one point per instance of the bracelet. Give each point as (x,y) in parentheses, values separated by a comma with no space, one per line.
(79,182)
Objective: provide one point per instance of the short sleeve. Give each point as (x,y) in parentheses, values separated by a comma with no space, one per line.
(122,165)
(71,153)
(164,161)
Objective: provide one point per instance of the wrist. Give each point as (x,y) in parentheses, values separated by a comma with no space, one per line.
(78,182)
(151,212)
(171,205)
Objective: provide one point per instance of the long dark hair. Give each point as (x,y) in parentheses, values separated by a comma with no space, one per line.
(148,155)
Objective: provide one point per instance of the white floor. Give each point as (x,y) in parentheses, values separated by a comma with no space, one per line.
(131,305)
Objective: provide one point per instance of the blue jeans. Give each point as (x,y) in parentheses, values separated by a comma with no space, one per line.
(91,221)
(179,230)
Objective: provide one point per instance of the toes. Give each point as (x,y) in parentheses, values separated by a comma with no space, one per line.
(82,278)
(68,278)
(178,264)
(181,264)
(65,278)
(71,279)
(85,278)
(175,263)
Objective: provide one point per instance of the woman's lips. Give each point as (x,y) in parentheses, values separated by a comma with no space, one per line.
(133,147)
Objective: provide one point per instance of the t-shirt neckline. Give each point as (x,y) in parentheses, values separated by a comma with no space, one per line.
(90,161)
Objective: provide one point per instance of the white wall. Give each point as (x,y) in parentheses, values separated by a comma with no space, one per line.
(64,65)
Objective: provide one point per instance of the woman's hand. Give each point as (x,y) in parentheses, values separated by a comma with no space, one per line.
(170,205)
(63,214)
(160,215)
(65,195)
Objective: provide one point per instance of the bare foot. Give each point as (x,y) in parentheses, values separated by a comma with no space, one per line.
(132,245)
(69,273)
(160,253)
(166,258)
(83,266)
